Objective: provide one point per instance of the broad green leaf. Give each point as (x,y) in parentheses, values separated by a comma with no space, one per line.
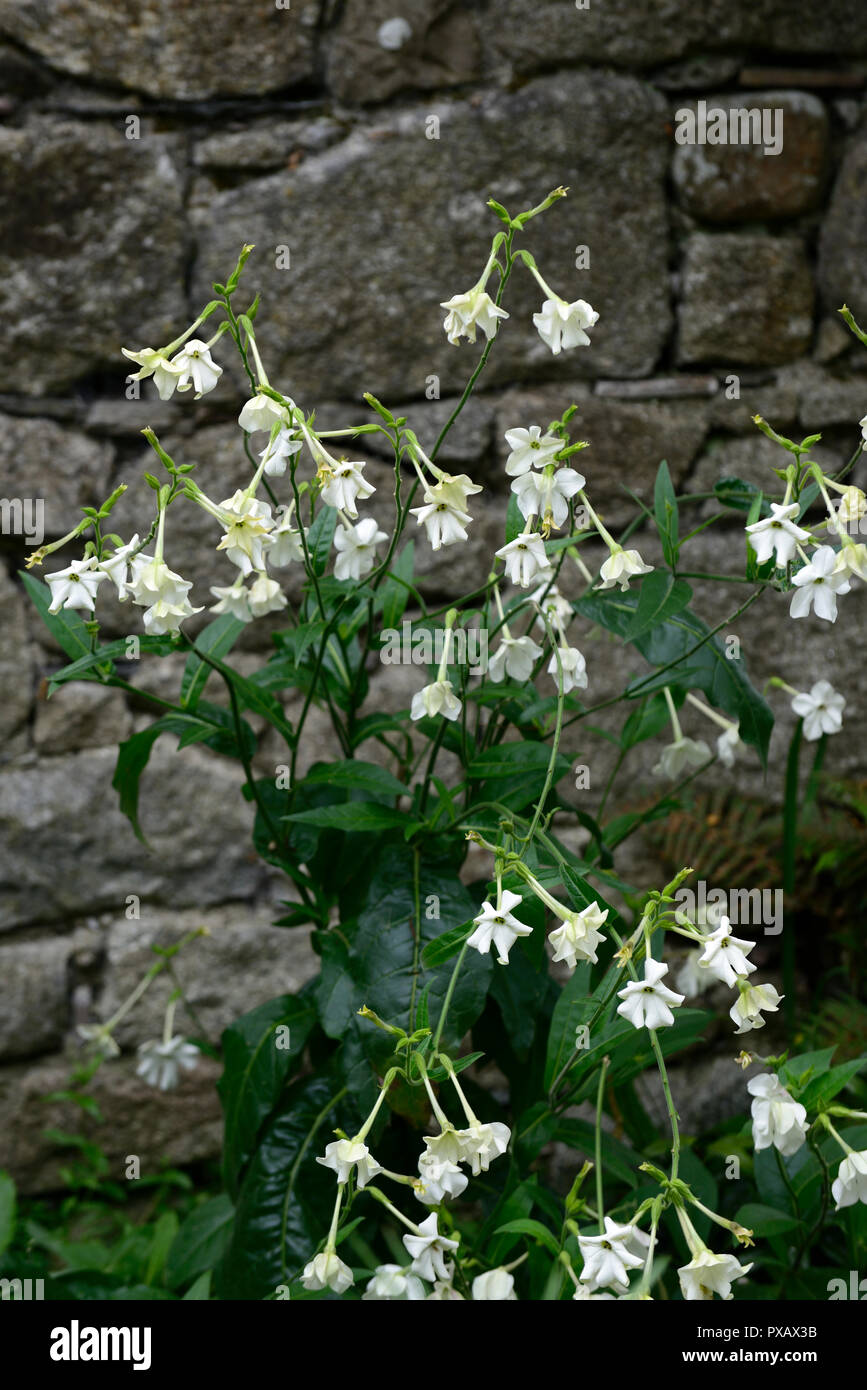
(515,521)
(106,655)
(797,1071)
(200,1242)
(572,1010)
(66,627)
(736,493)
(200,1290)
(258,1051)
(442,948)
(319,539)
(766,1221)
(395,595)
(659,597)
(525,1226)
(617,1159)
(665,513)
(821,1089)
(355,816)
(215,640)
(161,1242)
(646,722)
(357,776)
(132,759)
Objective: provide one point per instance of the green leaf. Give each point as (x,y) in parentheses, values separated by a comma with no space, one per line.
(646,722)
(665,513)
(525,1226)
(515,520)
(736,493)
(132,759)
(519,769)
(201,1241)
(357,776)
(570,1011)
(685,641)
(821,1089)
(215,640)
(442,948)
(766,1221)
(617,1159)
(795,1073)
(258,1053)
(395,595)
(319,539)
(659,598)
(285,1200)
(7,1211)
(200,1290)
(355,816)
(66,627)
(106,656)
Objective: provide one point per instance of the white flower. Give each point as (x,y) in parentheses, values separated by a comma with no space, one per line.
(76,586)
(619,568)
(279,450)
(445,524)
(574,669)
(285,548)
(96,1037)
(547,496)
(729,745)
(818,586)
(778,1119)
(344,1155)
(327,1271)
(467,312)
(821,710)
(524,558)
(437,698)
(429,1250)
(746,1010)
(645,1002)
(530,449)
(514,657)
(166,615)
(265,596)
(553,605)
(608,1257)
(691,978)
(725,956)
(154,363)
(707,1274)
(850,509)
(446,1147)
(684,753)
(480,1144)
(393,1282)
(852,561)
(583,1295)
(777,535)
(197,368)
(357,548)
(160,1062)
(248,524)
(850,1184)
(262,413)
(444,1292)
(494,1285)
(162,592)
(863,424)
(496,925)
(234,599)
(577,938)
(562,325)
(439,1178)
(343,484)
(117,567)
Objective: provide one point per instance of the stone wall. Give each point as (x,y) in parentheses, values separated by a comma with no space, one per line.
(140,146)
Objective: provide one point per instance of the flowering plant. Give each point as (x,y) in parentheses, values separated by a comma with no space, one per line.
(369,1152)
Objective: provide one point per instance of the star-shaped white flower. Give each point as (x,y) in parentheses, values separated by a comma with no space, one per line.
(160,1063)
(436,698)
(343,484)
(746,1011)
(608,1257)
(263,413)
(76,586)
(234,599)
(498,927)
(680,755)
(850,1184)
(327,1271)
(708,1274)
(524,558)
(469,312)
(429,1250)
(248,524)
(344,1155)
(286,547)
(821,709)
(725,956)
(356,548)
(778,1119)
(729,745)
(646,1002)
(438,1178)
(495,1285)
(279,450)
(530,448)
(562,325)
(547,496)
(393,1283)
(197,368)
(445,524)
(481,1143)
(621,566)
(154,363)
(578,937)
(818,584)
(777,535)
(574,669)
(265,596)
(514,657)
(117,567)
